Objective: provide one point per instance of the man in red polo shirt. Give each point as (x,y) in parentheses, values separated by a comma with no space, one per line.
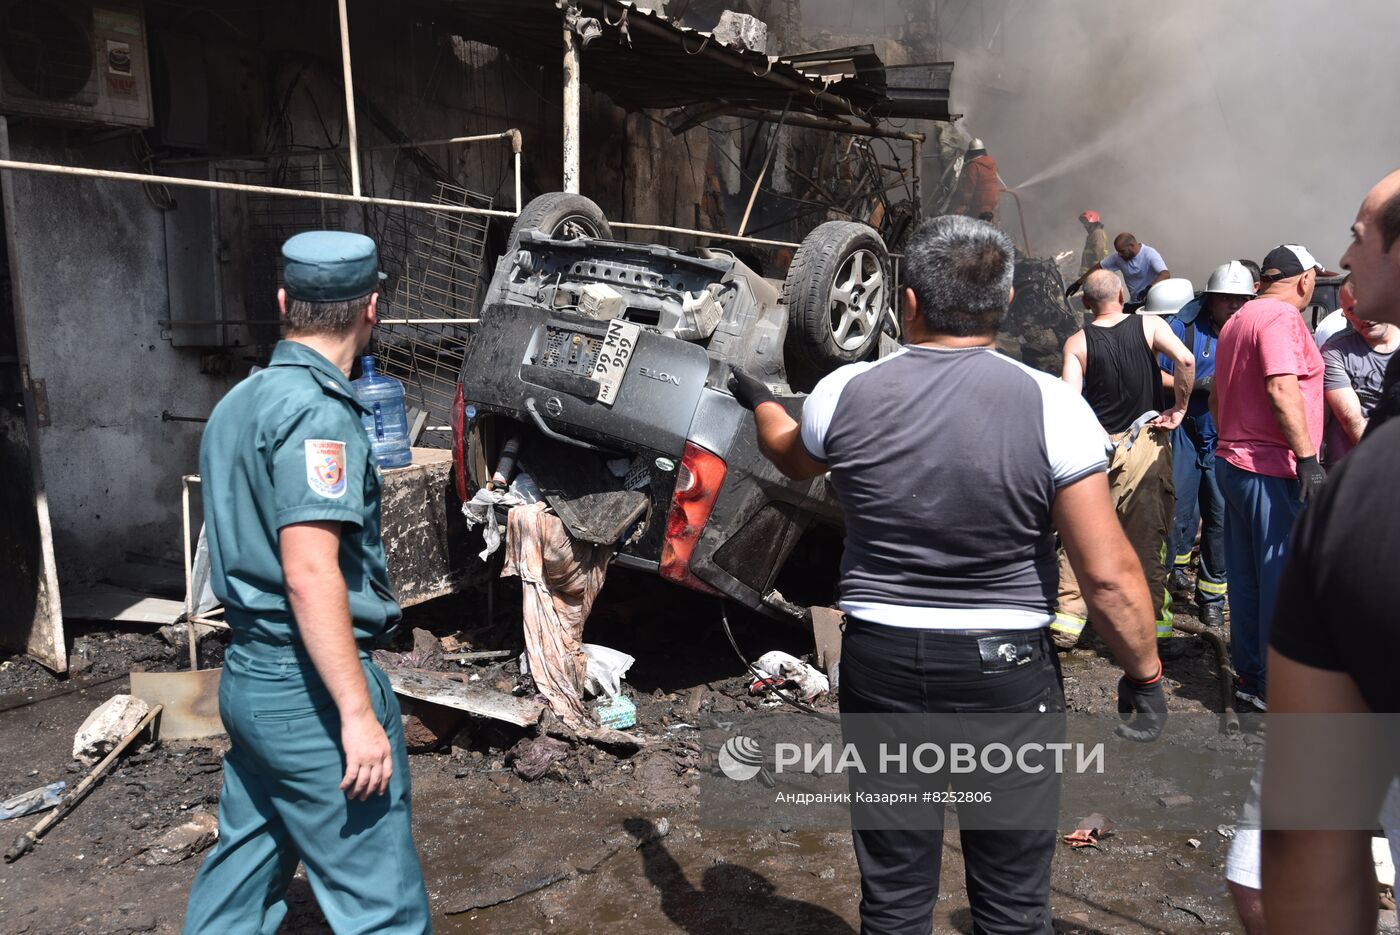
(1268,405)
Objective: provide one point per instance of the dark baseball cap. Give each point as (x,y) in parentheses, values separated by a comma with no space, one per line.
(1287,261)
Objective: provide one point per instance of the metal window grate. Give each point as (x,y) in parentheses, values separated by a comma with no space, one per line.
(435,260)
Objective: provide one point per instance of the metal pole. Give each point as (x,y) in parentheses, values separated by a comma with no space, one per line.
(143,178)
(571,111)
(511,134)
(517,146)
(190,633)
(349,101)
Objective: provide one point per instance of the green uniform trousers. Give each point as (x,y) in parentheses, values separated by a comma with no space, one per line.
(1144,496)
(281,804)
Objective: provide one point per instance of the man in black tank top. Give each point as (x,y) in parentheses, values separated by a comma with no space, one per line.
(1113,362)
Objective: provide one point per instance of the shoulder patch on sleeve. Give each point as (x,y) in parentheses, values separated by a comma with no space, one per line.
(325,467)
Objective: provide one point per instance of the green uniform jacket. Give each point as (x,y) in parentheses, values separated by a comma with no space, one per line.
(1095,249)
(287,446)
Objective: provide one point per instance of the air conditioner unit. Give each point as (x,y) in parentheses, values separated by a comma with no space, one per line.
(76,61)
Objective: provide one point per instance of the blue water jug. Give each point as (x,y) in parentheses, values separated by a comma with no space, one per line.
(386,423)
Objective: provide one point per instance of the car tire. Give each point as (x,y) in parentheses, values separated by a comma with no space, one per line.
(837,292)
(563,216)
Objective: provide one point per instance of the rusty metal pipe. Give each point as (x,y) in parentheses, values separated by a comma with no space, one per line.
(1229,719)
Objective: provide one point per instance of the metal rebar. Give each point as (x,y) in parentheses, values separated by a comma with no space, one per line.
(146,179)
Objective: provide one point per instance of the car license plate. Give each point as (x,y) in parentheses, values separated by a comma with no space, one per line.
(611,366)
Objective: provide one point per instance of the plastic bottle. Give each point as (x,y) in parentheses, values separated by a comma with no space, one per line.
(386,424)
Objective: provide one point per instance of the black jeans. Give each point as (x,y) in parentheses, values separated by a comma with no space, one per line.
(907,671)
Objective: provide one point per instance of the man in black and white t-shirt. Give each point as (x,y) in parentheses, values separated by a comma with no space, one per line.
(955,466)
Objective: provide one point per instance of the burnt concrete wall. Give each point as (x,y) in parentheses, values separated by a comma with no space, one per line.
(92,265)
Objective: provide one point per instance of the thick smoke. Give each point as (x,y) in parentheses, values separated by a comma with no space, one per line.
(1211,129)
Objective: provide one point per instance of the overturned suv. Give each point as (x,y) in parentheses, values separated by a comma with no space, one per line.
(600,368)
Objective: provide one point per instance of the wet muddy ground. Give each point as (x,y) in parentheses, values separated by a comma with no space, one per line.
(561,853)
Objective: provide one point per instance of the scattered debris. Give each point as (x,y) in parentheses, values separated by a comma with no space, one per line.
(482,655)
(183,842)
(1174,801)
(106,726)
(779,669)
(27,840)
(428,727)
(1193,842)
(425,654)
(617,712)
(532,757)
(35,800)
(1091,829)
(742,31)
(1225,831)
(450,690)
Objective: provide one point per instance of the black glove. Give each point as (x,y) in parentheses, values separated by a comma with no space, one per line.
(1311,477)
(1150,704)
(749,390)
(1073,288)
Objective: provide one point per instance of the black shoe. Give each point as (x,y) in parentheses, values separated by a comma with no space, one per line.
(1213,615)
(1179,585)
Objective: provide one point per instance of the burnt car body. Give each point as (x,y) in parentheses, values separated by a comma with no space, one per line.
(600,367)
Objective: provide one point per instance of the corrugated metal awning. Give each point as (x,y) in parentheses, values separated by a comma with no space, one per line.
(644,61)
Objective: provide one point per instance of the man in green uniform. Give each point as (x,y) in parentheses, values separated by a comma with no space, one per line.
(316,771)
(1095,242)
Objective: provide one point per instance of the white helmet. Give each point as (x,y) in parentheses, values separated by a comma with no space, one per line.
(1167,297)
(1231,278)
(975,144)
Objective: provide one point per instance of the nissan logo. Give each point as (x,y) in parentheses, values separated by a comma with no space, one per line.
(554,406)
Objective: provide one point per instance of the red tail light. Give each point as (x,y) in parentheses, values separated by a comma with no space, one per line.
(698,482)
(459,444)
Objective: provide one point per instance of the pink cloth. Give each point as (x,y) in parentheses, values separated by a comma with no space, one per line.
(1264,338)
